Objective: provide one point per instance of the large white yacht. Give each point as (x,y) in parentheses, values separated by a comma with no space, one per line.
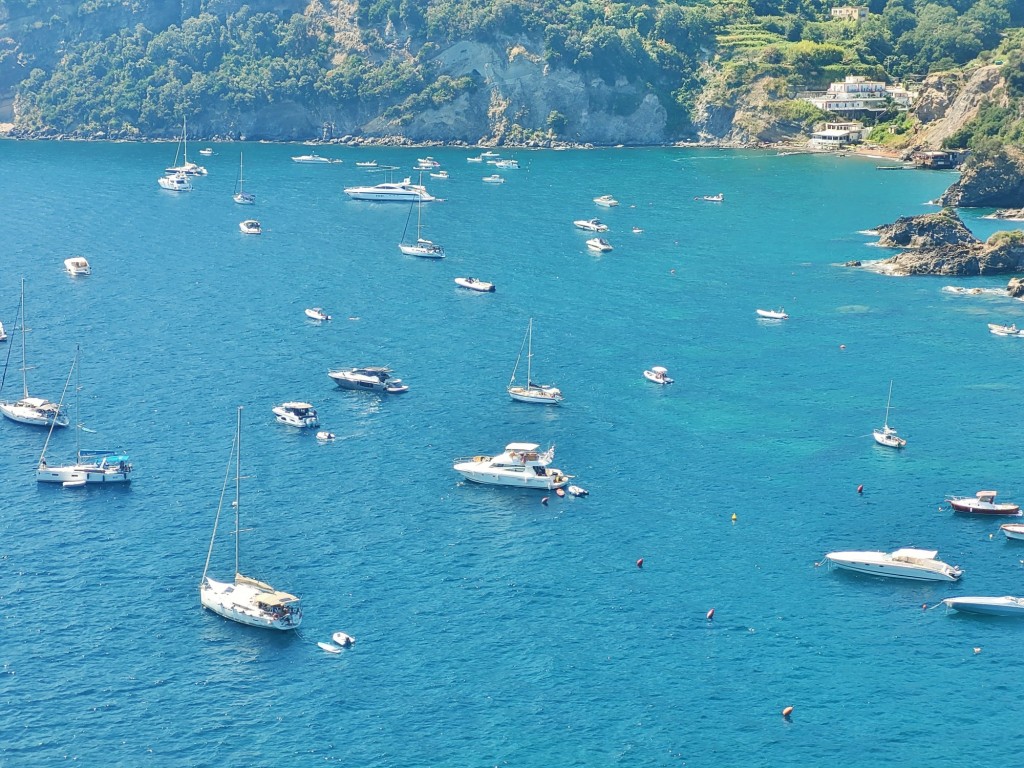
(373,378)
(296,414)
(520,465)
(175,182)
(391,192)
(905,563)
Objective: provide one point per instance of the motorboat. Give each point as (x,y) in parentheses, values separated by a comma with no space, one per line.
(905,563)
(366,164)
(1013,530)
(637,230)
(372,378)
(520,465)
(711,198)
(391,192)
(313,159)
(77,265)
(886,435)
(575,490)
(489,153)
(36,411)
(206,152)
(324,436)
(475,285)
(241,196)
(439,175)
(477,159)
(508,163)
(1005,330)
(244,599)
(599,244)
(296,414)
(773,314)
(494,178)
(423,163)
(88,467)
(317,313)
(591,225)
(989,606)
(983,503)
(175,182)
(3,333)
(531,392)
(606,201)
(250,227)
(659,375)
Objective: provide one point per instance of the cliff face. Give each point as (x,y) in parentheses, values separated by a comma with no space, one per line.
(996,182)
(950,100)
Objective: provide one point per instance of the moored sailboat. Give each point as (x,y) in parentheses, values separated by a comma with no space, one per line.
(241,196)
(531,393)
(887,435)
(244,599)
(422,247)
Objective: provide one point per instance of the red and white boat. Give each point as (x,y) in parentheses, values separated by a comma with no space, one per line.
(983,503)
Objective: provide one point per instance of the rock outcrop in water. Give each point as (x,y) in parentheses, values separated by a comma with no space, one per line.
(940,244)
(992,182)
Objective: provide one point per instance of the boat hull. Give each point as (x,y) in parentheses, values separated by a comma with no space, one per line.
(30,414)
(236,602)
(658,378)
(988,606)
(888,440)
(893,570)
(975,507)
(75,474)
(475,285)
(1013,531)
(549,482)
(543,395)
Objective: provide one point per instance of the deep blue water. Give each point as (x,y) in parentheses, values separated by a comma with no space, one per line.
(492,629)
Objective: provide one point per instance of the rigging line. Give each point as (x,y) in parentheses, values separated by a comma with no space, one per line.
(74,366)
(220,506)
(10,348)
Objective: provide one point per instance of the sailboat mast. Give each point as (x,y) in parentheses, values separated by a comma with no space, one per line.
(529,355)
(238,478)
(78,417)
(888,403)
(24,330)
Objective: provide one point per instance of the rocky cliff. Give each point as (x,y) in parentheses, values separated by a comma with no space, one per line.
(991,182)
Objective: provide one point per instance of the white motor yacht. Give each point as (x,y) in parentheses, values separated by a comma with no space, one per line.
(520,465)
(606,201)
(599,244)
(175,182)
(77,265)
(296,415)
(772,314)
(317,313)
(372,378)
(250,227)
(391,192)
(494,178)
(313,159)
(591,225)
(990,606)
(905,563)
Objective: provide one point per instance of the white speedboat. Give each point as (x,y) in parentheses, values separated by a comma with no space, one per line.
(475,285)
(317,313)
(530,392)
(494,178)
(886,435)
(371,378)
(772,314)
(606,201)
(599,244)
(905,563)
(175,182)
(296,414)
(439,175)
(1013,530)
(206,152)
(250,227)
(989,606)
(520,465)
(591,225)
(31,410)
(659,375)
(1005,330)
(366,164)
(325,436)
(313,159)
(711,198)
(476,159)
(89,466)
(423,163)
(983,503)
(391,192)
(77,265)
(244,599)
(508,163)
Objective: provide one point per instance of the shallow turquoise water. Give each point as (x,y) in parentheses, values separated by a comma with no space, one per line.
(492,629)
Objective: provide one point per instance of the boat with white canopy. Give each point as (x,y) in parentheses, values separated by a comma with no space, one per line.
(520,465)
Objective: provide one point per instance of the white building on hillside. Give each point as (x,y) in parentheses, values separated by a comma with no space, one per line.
(858,94)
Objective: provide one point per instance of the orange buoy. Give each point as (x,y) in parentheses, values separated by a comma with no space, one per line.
(711,614)
(544,501)
(860,489)
(559,492)
(640,563)
(787,712)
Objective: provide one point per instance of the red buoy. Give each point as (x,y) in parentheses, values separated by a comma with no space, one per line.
(860,489)
(640,563)
(711,614)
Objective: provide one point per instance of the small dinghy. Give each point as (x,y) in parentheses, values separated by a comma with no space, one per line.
(773,314)
(575,490)
(659,375)
(342,639)
(329,648)
(324,436)
(475,285)
(317,313)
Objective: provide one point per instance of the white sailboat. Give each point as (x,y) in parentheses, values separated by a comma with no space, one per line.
(244,599)
(422,247)
(30,410)
(887,435)
(531,393)
(186,167)
(89,466)
(241,196)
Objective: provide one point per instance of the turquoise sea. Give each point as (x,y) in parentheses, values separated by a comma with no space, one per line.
(493,629)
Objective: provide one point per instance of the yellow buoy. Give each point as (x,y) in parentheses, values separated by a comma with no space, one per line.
(734,518)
